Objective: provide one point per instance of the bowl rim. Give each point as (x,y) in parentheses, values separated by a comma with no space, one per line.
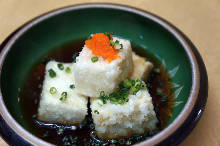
(155,139)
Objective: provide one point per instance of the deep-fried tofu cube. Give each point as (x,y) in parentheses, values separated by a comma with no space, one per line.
(92,78)
(136,116)
(141,68)
(53,109)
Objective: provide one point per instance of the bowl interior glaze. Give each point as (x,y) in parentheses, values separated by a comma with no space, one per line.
(61,28)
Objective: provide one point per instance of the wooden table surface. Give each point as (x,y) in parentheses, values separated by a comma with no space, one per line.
(198,19)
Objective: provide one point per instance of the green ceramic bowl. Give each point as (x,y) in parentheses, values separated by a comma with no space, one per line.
(155,35)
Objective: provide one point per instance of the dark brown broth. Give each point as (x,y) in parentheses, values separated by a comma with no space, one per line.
(30,95)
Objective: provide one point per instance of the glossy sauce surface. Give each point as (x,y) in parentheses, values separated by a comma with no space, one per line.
(158,83)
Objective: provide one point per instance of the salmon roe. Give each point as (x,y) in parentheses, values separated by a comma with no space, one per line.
(100,46)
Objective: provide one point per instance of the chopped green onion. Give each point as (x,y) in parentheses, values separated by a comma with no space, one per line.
(89,37)
(128,142)
(60,131)
(102,97)
(157,70)
(121,46)
(94,59)
(117,45)
(116,42)
(92,134)
(72,86)
(112,43)
(60,66)
(69,140)
(52,73)
(113,100)
(53,90)
(66,138)
(92,126)
(96,112)
(68,70)
(121,101)
(138,82)
(113,141)
(138,138)
(129,86)
(63,96)
(143,86)
(102,93)
(75,139)
(121,141)
(108,35)
(159,91)
(133,90)
(127,83)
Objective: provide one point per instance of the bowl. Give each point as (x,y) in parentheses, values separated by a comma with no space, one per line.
(154,34)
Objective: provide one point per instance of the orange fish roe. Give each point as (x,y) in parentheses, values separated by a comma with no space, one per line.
(100,46)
